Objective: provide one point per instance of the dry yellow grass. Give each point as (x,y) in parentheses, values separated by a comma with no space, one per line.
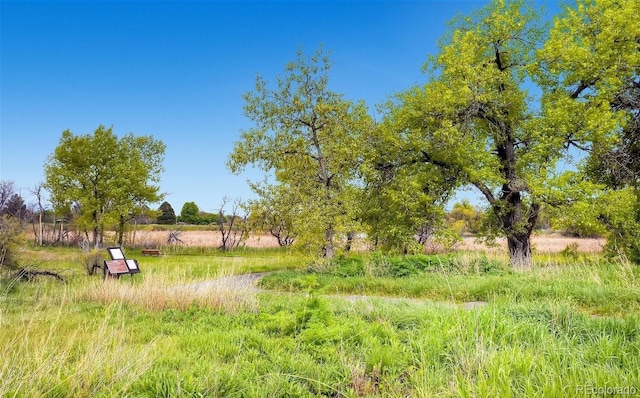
(548,243)
(157,292)
(200,239)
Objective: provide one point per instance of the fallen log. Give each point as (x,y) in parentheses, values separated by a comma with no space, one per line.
(28,274)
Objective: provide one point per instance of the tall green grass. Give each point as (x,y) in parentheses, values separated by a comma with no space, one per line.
(51,352)
(158,334)
(595,286)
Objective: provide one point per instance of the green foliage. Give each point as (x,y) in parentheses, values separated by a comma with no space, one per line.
(464,217)
(16,208)
(570,251)
(190,213)
(167,214)
(401,203)
(611,213)
(208,218)
(590,68)
(104,177)
(277,211)
(308,137)
(10,238)
(379,265)
(466,125)
(474,123)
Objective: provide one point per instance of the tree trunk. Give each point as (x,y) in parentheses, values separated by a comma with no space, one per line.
(329,248)
(121,224)
(518,222)
(94,238)
(135,229)
(520,250)
(347,246)
(40,229)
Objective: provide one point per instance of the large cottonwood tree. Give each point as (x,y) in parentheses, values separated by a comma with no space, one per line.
(590,67)
(477,120)
(105,177)
(307,136)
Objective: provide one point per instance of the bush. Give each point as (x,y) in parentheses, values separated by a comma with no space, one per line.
(377,265)
(10,233)
(92,259)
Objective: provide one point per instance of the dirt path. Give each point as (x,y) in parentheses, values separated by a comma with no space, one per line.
(248,283)
(245,282)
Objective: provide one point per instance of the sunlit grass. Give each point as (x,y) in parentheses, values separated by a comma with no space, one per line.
(50,351)
(595,286)
(157,292)
(564,324)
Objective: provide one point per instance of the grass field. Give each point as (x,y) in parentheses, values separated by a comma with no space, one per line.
(364,325)
(542,242)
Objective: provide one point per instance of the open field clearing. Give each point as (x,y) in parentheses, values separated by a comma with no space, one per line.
(568,325)
(544,243)
(200,239)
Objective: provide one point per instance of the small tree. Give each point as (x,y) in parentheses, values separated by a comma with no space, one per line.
(38,191)
(234,230)
(16,208)
(7,190)
(10,229)
(464,217)
(190,213)
(308,137)
(104,177)
(275,212)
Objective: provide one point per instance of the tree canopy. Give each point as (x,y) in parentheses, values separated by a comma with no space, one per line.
(166,214)
(105,177)
(306,136)
(190,213)
(476,121)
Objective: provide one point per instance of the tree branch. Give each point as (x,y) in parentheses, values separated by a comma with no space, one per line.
(485,191)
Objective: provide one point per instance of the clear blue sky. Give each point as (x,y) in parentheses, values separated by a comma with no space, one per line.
(177,70)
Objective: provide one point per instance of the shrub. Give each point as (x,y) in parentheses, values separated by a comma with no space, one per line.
(377,265)
(92,260)
(10,233)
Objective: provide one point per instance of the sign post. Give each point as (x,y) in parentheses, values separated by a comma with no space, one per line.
(119,265)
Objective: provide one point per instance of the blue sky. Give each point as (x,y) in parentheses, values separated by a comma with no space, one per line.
(177,70)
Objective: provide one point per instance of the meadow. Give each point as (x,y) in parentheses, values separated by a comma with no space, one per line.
(454,325)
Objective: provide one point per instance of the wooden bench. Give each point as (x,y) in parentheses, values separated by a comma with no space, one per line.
(150,252)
